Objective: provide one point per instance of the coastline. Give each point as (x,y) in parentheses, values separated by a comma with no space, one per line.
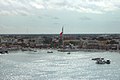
(87,50)
(62,50)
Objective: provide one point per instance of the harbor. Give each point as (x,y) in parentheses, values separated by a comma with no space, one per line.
(38,65)
(59,39)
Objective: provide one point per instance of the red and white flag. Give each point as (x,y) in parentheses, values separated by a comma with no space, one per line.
(61,34)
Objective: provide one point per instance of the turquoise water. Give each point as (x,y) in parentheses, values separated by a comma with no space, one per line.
(41,65)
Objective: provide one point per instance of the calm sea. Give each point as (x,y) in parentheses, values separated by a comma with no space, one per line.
(41,65)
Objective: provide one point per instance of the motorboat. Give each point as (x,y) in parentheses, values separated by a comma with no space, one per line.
(100,61)
(49,51)
(107,61)
(68,53)
(97,58)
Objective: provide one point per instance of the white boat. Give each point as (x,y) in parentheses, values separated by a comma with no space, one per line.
(101,61)
(25,49)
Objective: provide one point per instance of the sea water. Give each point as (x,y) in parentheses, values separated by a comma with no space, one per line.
(41,65)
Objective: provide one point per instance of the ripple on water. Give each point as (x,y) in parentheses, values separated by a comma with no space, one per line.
(58,66)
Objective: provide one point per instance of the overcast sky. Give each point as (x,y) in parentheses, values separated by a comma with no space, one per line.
(48,16)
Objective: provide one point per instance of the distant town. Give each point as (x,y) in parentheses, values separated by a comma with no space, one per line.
(54,41)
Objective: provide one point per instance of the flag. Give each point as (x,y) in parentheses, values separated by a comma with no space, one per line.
(61,33)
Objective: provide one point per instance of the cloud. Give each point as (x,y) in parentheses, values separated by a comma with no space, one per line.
(28,7)
(37,5)
(14,7)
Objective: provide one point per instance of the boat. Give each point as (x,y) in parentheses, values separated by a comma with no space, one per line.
(100,61)
(107,61)
(97,58)
(3,51)
(49,51)
(24,49)
(34,51)
(68,53)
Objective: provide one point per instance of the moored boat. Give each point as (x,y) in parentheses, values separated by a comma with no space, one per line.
(3,51)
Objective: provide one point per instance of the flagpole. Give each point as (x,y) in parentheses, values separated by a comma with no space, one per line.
(62,37)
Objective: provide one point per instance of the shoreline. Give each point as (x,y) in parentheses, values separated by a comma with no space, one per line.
(64,50)
(87,50)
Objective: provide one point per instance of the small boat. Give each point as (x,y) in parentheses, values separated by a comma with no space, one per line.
(3,51)
(100,61)
(35,51)
(107,61)
(97,58)
(49,51)
(24,49)
(68,53)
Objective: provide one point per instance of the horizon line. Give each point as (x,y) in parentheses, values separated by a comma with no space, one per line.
(51,33)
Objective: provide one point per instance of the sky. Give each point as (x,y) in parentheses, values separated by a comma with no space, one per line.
(49,16)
